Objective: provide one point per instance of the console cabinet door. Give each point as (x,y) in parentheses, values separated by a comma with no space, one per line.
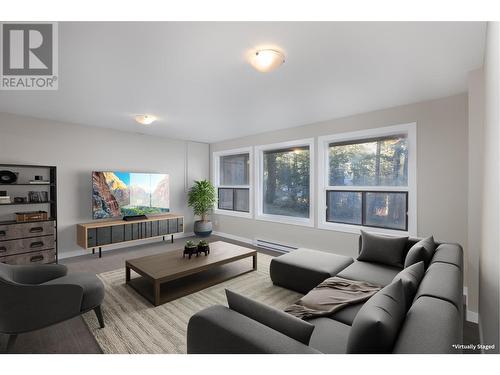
(163,227)
(154,228)
(147,225)
(135,231)
(180,224)
(127,232)
(91,237)
(103,236)
(172,226)
(117,233)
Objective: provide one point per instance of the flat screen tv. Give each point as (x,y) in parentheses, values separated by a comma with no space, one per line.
(119,194)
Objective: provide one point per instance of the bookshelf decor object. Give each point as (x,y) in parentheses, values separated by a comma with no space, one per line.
(28,214)
(97,234)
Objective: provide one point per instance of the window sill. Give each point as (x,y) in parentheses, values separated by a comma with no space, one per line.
(305,222)
(348,228)
(247,215)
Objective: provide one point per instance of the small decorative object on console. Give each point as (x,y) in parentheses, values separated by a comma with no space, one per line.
(38,196)
(203,247)
(5,199)
(22,217)
(190,249)
(7,177)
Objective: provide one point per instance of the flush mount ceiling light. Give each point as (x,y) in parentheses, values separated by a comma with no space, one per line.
(266,60)
(145,119)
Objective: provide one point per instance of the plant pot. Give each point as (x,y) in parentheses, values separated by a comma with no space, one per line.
(190,251)
(202,228)
(205,249)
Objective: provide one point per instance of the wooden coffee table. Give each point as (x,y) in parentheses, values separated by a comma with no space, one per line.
(168,276)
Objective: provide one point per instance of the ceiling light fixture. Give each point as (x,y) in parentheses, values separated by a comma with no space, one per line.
(145,119)
(266,60)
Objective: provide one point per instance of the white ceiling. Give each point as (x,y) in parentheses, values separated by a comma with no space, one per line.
(195,78)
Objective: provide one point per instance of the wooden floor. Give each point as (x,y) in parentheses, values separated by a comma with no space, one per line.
(73,336)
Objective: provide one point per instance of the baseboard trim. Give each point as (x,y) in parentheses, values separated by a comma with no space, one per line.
(233,237)
(470,316)
(77,253)
(481,335)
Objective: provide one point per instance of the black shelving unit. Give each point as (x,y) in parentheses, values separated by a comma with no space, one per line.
(25,203)
(20,188)
(25,184)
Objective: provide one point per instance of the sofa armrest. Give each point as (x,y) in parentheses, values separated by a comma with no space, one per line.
(37,274)
(219,330)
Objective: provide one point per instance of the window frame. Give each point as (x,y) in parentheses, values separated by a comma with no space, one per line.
(324,142)
(216,156)
(259,173)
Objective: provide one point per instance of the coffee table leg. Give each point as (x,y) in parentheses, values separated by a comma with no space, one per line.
(127,274)
(157,293)
(255,262)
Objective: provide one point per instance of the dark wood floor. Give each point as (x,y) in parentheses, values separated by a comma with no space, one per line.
(74,337)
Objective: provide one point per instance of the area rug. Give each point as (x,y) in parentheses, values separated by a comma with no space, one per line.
(134,326)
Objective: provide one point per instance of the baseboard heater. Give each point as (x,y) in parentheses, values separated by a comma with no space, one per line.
(274,246)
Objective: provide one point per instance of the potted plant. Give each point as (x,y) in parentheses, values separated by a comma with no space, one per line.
(202,198)
(190,249)
(203,247)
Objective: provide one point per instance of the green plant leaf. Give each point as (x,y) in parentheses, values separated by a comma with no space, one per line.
(202,197)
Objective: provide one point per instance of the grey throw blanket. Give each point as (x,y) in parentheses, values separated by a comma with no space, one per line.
(330,296)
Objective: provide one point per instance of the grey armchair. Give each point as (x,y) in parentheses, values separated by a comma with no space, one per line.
(37,296)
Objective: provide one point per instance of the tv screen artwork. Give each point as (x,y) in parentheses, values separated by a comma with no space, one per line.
(117,194)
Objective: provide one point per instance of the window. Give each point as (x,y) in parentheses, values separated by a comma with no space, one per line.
(369,180)
(232,180)
(284,191)
(234,199)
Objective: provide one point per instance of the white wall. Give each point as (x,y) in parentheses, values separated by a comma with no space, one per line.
(441,174)
(78,150)
(489,266)
(475,133)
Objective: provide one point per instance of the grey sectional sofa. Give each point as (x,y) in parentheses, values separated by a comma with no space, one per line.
(432,324)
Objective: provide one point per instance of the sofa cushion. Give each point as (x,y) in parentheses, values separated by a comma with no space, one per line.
(278,320)
(371,272)
(449,253)
(431,326)
(377,324)
(236,334)
(444,281)
(382,249)
(329,336)
(411,278)
(423,250)
(93,288)
(347,314)
(416,254)
(303,269)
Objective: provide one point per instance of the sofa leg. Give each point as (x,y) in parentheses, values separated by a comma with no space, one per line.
(98,313)
(10,343)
